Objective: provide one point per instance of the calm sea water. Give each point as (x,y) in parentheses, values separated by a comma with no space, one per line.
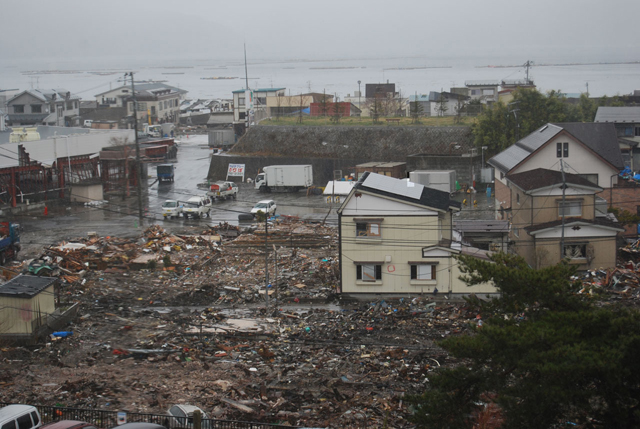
(90,76)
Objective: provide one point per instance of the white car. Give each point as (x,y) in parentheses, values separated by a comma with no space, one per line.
(171,209)
(196,207)
(264,206)
(182,416)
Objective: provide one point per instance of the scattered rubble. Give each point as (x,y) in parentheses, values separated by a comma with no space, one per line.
(171,318)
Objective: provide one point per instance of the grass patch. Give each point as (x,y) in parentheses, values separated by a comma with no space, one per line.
(315,121)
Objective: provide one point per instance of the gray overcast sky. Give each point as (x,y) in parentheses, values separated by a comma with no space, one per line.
(580,30)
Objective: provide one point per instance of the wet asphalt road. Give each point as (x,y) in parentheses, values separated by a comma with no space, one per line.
(119,217)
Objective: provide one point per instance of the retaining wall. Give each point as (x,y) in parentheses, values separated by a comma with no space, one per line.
(342,148)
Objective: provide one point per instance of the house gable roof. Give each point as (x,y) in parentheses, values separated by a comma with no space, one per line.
(618,114)
(543,178)
(33,93)
(599,138)
(570,223)
(405,191)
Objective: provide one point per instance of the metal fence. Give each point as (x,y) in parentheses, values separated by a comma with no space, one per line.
(109,419)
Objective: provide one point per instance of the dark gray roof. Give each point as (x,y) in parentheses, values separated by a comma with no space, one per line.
(25,286)
(618,114)
(473,225)
(391,187)
(22,117)
(600,138)
(542,178)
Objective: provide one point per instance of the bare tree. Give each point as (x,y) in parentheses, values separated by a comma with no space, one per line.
(441,104)
(278,106)
(416,110)
(460,109)
(301,106)
(337,111)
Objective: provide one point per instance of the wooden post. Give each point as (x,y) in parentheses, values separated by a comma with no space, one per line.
(197,419)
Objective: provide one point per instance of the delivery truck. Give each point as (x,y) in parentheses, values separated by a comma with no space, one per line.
(290,178)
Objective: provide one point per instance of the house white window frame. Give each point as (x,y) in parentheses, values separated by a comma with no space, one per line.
(573,255)
(368,273)
(372,228)
(425,273)
(571,204)
(562,150)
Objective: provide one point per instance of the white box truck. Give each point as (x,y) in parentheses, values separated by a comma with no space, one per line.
(284,178)
(442,180)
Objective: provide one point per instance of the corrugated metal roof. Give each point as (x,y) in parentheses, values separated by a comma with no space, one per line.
(509,158)
(25,286)
(482,83)
(618,114)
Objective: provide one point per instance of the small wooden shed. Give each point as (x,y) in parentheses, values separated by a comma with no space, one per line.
(25,304)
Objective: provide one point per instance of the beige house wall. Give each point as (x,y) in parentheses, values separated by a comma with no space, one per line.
(402,240)
(604,248)
(581,160)
(289,101)
(17,315)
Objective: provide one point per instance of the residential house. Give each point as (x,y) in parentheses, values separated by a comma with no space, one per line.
(287,105)
(556,216)
(258,103)
(395,238)
(44,107)
(627,123)
(440,103)
(490,235)
(157,102)
(484,90)
(344,109)
(383,100)
(588,149)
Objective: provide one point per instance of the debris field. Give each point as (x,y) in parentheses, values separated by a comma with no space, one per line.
(171,318)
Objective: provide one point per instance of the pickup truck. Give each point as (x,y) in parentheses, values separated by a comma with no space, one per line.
(9,241)
(171,209)
(223,190)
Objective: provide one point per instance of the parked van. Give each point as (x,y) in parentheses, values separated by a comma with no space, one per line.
(196,207)
(19,417)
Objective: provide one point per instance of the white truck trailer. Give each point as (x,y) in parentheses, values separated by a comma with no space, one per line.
(442,180)
(284,178)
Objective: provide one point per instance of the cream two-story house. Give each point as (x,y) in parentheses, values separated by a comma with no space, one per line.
(556,216)
(395,238)
(587,149)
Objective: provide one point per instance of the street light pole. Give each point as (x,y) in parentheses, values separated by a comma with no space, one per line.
(359,94)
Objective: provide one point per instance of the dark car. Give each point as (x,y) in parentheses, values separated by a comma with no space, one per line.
(70,424)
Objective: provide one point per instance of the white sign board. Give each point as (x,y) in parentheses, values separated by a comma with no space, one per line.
(236,170)
(122,417)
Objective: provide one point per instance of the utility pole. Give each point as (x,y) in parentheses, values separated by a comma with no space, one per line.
(527,65)
(138,165)
(275,274)
(266,256)
(564,208)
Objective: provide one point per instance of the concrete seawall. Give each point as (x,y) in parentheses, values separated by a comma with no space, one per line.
(342,148)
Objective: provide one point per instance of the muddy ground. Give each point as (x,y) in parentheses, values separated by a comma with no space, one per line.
(201,331)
